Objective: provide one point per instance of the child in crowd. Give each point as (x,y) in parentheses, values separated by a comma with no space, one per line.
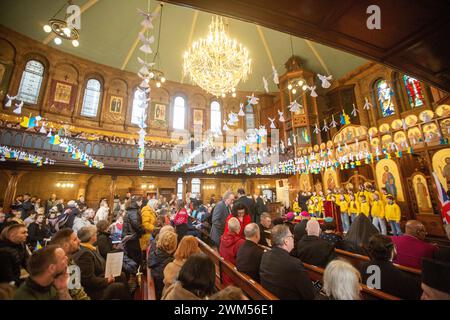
(343,205)
(364,206)
(377,213)
(393,215)
(329,232)
(353,207)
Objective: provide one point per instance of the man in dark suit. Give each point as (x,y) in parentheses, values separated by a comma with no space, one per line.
(219,216)
(282,274)
(265,226)
(27,206)
(249,255)
(248,202)
(260,207)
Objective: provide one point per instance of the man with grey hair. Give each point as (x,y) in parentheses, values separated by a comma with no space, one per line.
(86,219)
(249,255)
(219,216)
(265,226)
(282,274)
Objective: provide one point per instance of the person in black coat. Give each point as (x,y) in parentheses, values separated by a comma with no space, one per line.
(302,198)
(260,207)
(313,250)
(133,230)
(358,235)
(27,206)
(249,203)
(393,280)
(300,228)
(38,231)
(265,226)
(249,255)
(104,241)
(280,273)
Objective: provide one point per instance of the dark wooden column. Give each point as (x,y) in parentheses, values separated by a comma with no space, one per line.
(112,192)
(13,179)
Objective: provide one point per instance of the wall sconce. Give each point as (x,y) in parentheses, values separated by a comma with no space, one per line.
(147,186)
(65,185)
(263,186)
(209,187)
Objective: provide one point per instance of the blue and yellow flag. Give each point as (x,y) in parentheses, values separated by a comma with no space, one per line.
(25,122)
(38,246)
(345,119)
(55,140)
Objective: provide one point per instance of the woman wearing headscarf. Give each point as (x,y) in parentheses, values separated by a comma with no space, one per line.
(313,250)
(357,238)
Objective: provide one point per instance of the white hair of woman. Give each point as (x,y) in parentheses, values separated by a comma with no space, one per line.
(341,281)
(234,225)
(153,203)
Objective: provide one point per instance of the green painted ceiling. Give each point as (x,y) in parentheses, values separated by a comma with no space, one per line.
(110,27)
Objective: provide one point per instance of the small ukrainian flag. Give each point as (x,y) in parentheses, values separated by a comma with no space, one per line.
(25,122)
(38,246)
(345,119)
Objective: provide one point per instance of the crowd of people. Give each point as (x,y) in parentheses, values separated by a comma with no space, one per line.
(43,244)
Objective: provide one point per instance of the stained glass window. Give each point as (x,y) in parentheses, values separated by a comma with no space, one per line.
(413,91)
(138,110)
(216,116)
(30,84)
(385,97)
(91,98)
(179,113)
(195,187)
(180,188)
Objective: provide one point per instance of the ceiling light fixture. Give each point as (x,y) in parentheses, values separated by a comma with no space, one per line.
(62,28)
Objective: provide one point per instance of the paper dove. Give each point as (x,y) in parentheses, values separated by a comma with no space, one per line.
(49,135)
(317,129)
(232,118)
(266,84)
(325,126)
(10,100)
(241,110)
(275,75)
(325,80)
(333,122)
(18,109)
(146,43)
(43,130)
(280,114)
(367,104)
(252,99)
(354,111)
(313,91)
(148,17)
(225,127)
(272,124)
(294,106)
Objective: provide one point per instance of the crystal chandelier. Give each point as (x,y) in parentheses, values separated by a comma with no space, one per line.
(217,63)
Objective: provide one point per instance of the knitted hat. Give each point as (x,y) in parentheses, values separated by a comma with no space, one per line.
(289,216)
(304,214)
(436,274)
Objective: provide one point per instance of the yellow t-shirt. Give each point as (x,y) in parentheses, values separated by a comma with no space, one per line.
(364,207)
(343,205)
(377,209)
(392,212)
(311,208)
(296,207)
(353,207)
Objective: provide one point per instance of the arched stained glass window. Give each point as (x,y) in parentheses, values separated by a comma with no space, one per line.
(180,188)
(385,98)
(216,116)
(195,187)
(30,84)
(91,98)
(414,92)
(179,113)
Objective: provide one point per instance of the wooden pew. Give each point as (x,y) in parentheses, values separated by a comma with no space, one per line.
(316,274)
(253,289)
(357,260)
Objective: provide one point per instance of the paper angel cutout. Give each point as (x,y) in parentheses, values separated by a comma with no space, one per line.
(262,131)
(313,91)
(146,43)
(316,129)
(355,111)
(225,127)
(289,142)
(294,138)
(275,75)
(281,116)
(148,18)
(266,84)
(43,130)
(404,125)
(294,106)
(49,135)
(282,147)
(18,109)
(272,124)
(325,80)
(325,126)
(10,100)
(367,104)
(333,123)
(241,110)
(252,99)
(232,118)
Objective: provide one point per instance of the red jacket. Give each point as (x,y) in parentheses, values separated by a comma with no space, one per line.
(411,250)
(229,246)
(246,220)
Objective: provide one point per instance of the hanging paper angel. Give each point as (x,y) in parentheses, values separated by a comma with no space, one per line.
(146,43)
(145,66)
(43,130)
(10,100)
(148,18)
(262,131)
(266,84)
(225,127)
(333,123)
(281,116)
(49,135)
(232,118)
(355,111)
(272,124)
(289,142)
(316,129)
(18,109)
(252,99)
(275,75)
(325,80)
(294,106)
(241,110)
(325,126)
(367,104)
(313,91)
(404,125)
(282,147)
